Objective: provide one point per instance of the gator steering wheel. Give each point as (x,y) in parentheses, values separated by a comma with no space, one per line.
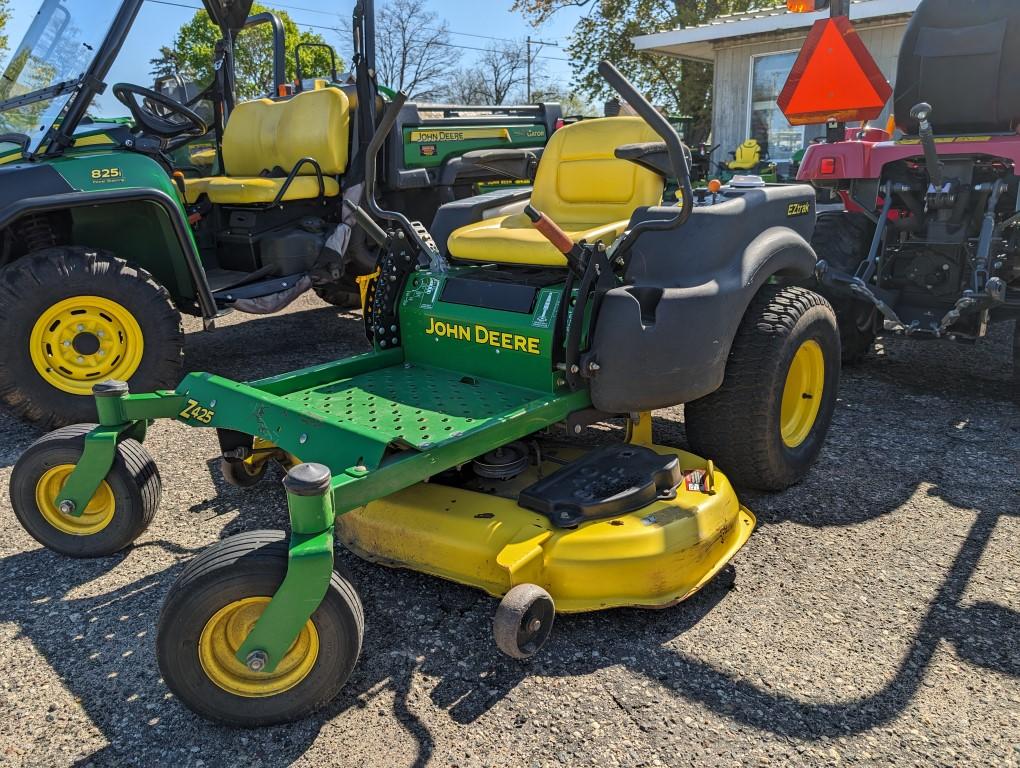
(158,114)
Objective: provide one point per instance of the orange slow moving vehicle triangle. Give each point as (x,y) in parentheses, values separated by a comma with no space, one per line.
(834,77)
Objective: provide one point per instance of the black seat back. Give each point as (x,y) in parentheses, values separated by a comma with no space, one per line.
(962,57)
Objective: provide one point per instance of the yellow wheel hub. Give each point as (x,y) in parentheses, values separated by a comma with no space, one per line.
(85,339)
(97,514)
(225,632)
(802,395)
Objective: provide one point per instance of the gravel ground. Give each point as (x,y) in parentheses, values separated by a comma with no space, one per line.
(873,618)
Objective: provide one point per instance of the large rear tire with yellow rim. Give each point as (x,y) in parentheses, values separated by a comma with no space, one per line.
(118,513)
(210,610)
(765,426)
(71,317)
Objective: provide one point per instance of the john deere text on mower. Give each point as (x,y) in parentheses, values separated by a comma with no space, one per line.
(438,450)
(109,230)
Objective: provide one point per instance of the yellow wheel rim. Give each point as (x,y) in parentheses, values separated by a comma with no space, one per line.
(97,514)
(225,632)
(85,339)
(802,395)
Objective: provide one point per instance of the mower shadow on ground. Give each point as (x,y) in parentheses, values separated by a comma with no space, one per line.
(102,648)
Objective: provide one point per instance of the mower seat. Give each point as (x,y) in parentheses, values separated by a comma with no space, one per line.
(581,185)
(265,140)
(747,157)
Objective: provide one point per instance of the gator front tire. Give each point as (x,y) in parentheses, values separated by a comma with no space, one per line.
(208,613)
(843,240)
(118,513)
(71,317)
(765,426)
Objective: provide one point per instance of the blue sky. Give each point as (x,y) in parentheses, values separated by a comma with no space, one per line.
(468,20)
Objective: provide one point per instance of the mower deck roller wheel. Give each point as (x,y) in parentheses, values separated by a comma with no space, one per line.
(523,621)
(766,424)
(208,614)
(71,317)
(117,514)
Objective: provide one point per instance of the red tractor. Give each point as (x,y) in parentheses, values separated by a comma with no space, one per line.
(929,243)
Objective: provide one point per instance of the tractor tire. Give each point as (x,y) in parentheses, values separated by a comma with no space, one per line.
(765,426)
(843,240)
(119,512)
(71,317)
(207,614)
(339,294)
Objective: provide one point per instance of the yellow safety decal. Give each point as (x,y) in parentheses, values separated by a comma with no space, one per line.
(479,334)
(461,134)
(197,412)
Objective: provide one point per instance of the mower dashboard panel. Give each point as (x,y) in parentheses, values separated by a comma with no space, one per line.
(506,297)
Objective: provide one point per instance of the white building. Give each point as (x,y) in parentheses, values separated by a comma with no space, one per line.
(753,54)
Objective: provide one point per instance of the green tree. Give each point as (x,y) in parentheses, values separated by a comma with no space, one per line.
(5,16)
(681,86)
(191,53)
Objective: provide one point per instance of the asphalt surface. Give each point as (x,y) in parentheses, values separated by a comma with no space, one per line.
(873,618)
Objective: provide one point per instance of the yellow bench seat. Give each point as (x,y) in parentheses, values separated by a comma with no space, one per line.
(250,190)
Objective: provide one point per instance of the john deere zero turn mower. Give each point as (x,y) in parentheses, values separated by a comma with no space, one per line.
(445,448)
(109,231)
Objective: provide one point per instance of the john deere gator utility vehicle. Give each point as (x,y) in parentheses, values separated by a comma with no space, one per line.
(110,230)
(445,449)
(929,244)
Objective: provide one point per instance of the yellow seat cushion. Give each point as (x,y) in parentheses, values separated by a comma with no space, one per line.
(747,156)
(514,240)
(250,190)
(272,136)
(581,185)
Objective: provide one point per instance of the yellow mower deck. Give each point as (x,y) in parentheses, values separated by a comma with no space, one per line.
(651,558)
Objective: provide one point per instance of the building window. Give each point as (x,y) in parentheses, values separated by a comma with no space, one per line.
(768,125)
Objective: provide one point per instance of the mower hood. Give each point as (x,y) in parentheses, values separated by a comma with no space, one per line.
(229,15)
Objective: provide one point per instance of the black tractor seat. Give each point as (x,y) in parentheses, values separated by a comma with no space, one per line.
(962,57)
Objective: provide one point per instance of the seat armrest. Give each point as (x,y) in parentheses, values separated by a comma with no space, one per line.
(652,156)
(460,213)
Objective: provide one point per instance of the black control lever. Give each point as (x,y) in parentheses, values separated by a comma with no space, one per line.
(921,113)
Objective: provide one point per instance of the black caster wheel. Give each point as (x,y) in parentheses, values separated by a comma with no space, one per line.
(243,474)
(211,608)
(121,509)
(523,621)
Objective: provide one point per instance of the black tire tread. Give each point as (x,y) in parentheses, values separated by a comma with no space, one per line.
(339,294)
(132,460)
(264,545)
(64,264)
(843,240)
(718,425)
